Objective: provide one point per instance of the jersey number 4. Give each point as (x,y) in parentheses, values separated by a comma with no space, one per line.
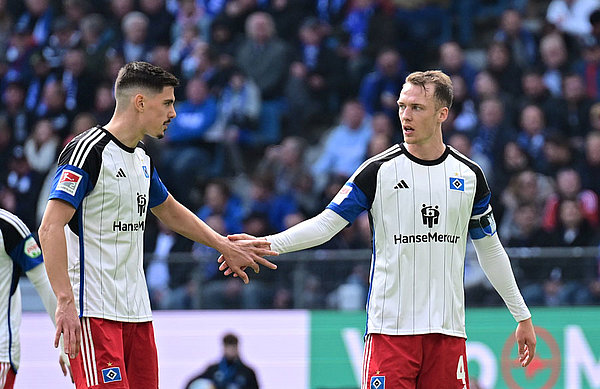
(460,372)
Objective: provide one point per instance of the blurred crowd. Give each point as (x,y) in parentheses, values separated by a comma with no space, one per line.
(281,100)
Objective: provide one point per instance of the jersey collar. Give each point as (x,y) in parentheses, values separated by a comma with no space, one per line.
(425,162)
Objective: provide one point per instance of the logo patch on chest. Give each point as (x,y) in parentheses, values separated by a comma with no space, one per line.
(457,183)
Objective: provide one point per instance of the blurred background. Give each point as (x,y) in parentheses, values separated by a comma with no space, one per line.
(280,102)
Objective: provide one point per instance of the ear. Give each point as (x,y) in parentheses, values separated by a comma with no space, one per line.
(443,114)
(138,102)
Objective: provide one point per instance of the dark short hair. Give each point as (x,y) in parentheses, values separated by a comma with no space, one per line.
(443,93)
(144,75)
(230,340)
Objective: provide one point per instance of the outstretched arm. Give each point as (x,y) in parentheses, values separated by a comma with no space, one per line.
(240,254)
(309,233)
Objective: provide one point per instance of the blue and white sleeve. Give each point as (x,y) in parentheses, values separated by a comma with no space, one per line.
(158,191)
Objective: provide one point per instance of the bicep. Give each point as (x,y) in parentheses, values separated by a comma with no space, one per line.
(58,213)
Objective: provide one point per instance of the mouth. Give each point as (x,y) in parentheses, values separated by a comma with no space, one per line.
(407,129)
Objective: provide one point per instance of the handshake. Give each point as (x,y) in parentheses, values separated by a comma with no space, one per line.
(242,251)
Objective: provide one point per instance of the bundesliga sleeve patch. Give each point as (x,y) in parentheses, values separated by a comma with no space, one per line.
(111,374)
(342,194)
(31,248)
(69,182)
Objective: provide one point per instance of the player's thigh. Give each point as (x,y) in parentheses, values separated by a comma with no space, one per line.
(7,376)
(444,363)
(100,362)
(391,361)
(141,356)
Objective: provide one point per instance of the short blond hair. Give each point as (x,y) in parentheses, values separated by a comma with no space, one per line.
(443,93)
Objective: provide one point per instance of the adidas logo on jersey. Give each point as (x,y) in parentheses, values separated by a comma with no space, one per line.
(121,173)
(401,185)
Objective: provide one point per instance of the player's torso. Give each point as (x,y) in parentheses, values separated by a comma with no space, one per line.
(111,229)
(420,216)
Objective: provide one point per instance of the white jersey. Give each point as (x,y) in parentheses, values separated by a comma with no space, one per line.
(111,186)
(420,213)
(19,253)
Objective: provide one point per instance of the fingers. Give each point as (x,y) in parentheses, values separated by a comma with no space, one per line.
(254,267)
(242,274)
(241,237)
(57,339)
(266,263)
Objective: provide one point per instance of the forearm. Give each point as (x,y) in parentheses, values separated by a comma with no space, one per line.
(309,233)
(54,247)
(40,281)
(181,220)
(496,266)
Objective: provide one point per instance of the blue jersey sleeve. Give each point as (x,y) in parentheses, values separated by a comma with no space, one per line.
(482,221)
(70,184)
(349,202)
(158,191)
(27,253)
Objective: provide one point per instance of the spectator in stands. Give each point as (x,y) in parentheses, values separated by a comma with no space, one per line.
(346,145)
(230,371)
(532,135)
(487,87)
(24,183)
(118,10)
(159,19)
(568,277)
(239,111)
(287,163)
(53,107)
(314,78)
(218,200)
(536,92)
(167,277)
(40,74)
(559,154)
(379,89)
(104,103)
(453,62)
(264,200)
(568,187)
(288,16)
(135,45)
(38,18)
(17,55)
(463,106)
(514,160)
(78,81)
(41,147)
(574,110)
(521,41)
(14,112)
(186,43)
(590,171)
(501,66)
(265,58)
(492,133)
(526,187)
(65,36)
(555,62)
(96,37)
(186,153)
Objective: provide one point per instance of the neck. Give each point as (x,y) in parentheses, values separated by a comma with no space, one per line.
(125,129)
(427,151)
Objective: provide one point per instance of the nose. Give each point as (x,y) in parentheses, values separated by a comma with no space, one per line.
(172,114)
